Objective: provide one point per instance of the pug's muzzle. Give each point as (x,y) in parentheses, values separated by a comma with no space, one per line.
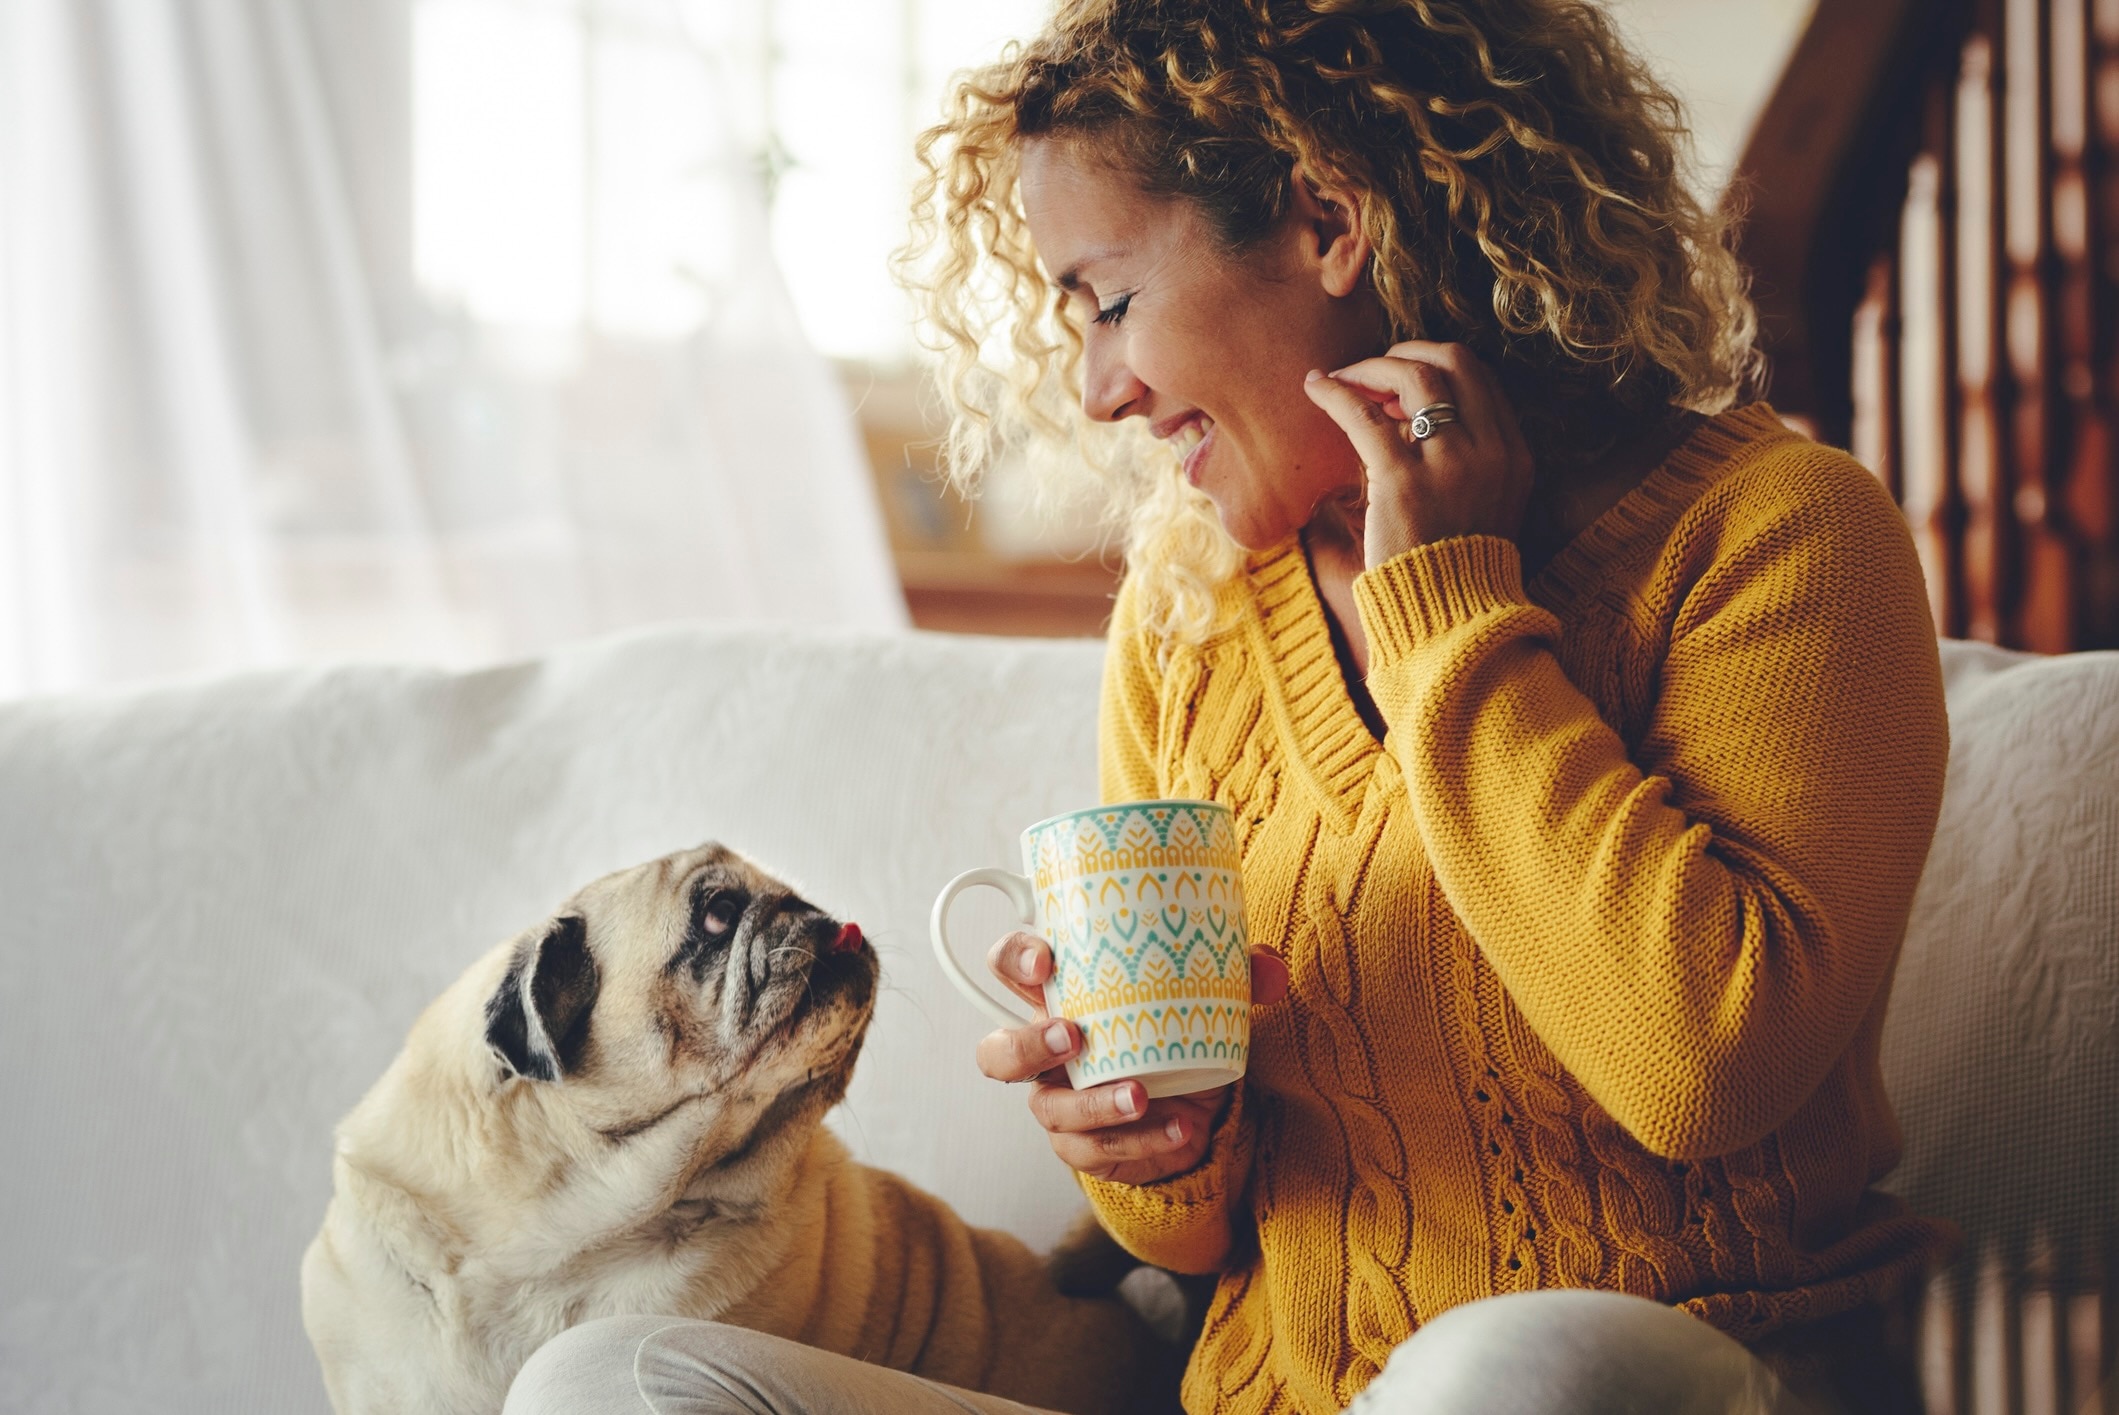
(745,969)
(779,961)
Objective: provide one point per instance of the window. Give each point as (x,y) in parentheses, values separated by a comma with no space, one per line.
(570,155)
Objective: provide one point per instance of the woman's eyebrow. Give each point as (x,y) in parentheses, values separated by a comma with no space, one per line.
(1070,279)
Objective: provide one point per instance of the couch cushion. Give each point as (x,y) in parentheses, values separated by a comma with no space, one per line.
(222,905)
(2001,1048)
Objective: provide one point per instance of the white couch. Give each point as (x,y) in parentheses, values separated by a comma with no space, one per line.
(222,903)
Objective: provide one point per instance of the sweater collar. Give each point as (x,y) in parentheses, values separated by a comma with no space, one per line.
(1305,692)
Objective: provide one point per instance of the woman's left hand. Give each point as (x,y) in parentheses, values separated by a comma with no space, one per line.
(1467,477)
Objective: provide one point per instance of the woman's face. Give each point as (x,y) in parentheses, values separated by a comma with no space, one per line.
(1210,349)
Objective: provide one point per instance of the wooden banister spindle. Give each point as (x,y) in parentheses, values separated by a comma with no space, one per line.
(1927,335)
(2085,1349)
(2092,496)
(1875,370)
(2035,592)
(1945,1344)
(2083,1360)
(2083,443)
(1983,543)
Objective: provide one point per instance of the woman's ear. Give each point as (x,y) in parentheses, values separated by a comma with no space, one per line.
(1334,238)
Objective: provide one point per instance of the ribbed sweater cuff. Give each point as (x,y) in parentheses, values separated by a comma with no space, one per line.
(1410,599)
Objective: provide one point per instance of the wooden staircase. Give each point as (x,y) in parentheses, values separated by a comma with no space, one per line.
(1933,228)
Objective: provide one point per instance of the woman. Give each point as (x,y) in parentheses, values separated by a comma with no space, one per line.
(1584,724)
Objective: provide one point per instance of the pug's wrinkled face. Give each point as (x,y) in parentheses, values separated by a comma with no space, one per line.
(695,984)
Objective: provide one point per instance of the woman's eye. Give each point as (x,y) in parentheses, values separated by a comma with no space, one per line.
(1113,312)
(721,913)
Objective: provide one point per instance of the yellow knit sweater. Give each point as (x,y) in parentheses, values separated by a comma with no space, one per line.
(1589,957)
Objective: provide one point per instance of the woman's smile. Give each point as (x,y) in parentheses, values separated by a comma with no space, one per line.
(1190,439)
(1208,346)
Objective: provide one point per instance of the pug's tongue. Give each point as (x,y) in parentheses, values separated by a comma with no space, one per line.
(848,940)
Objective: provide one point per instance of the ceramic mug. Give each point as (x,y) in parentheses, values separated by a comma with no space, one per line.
(1143,907)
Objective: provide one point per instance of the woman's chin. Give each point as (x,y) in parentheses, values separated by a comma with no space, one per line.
(1251,530)
(1259,523)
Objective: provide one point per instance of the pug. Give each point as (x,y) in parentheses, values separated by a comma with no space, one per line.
(618,1112)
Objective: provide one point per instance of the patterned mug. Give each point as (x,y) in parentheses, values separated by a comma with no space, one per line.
(1143,906)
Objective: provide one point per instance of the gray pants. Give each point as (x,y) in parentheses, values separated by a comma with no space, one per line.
(1535,1353)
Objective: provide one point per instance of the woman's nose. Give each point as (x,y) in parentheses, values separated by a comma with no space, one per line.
(1110,390)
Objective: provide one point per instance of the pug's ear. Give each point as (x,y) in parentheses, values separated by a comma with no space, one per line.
(537,1021)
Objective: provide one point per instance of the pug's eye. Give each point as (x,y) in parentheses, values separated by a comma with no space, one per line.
(709,932)
(720,914)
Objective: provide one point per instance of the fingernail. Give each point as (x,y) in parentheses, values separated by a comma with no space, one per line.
(1175,1130)
(1313,375)
(1126,1104)
(1026,964)
(1056,1036)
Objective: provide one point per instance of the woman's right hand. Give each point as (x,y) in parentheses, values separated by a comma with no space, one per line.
(1113,1131)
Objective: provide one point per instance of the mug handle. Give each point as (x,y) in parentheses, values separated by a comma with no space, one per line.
(1019,890)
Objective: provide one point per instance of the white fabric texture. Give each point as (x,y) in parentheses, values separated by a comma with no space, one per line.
(221,905)
(2002,1043)
(237,429)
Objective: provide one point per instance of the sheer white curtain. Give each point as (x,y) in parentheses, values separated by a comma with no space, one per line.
(255,409)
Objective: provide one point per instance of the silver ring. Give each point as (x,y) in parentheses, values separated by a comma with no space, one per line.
(1433,416)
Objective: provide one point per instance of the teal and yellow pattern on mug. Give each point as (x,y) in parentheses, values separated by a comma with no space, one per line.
(1143,906)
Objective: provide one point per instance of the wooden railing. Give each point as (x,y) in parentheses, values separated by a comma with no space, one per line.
(1933,229)
(1932,199)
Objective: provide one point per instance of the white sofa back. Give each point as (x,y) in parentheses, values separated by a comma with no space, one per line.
(222,904)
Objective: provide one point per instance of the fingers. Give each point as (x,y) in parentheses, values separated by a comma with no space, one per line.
(1023,961)
(1169,1138)
(1458,364)
(1123,1108)
(1363,419)
(1062,1108)
(1412,384)
(1483,398)
(1405,385)
(1477,391)
(1269,977)
(1027,1053)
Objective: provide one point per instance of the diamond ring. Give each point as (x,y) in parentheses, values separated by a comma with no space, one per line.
(1429,418)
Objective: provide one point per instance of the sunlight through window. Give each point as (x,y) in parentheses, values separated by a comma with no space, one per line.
(574,159)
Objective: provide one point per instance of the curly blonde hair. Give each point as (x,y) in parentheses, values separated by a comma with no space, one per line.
(1520,183)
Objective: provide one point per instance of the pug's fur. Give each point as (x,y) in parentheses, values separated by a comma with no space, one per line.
(618,1112)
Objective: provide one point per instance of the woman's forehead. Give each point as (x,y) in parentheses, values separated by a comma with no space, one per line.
(1086,213)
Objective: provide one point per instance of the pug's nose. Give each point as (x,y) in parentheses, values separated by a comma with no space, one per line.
(848,940)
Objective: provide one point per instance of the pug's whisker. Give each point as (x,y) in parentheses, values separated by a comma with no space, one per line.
(903,992)
(854,1115)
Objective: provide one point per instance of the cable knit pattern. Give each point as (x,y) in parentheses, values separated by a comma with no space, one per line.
(1589,958)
